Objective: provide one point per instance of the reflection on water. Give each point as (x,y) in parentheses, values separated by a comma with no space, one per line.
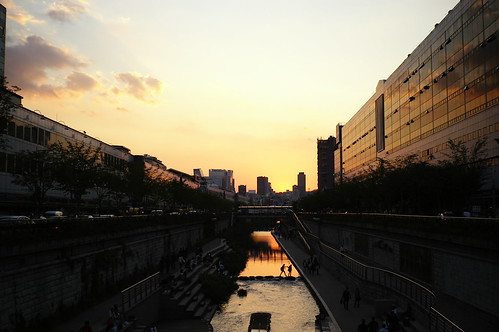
(292,306)
(266,258)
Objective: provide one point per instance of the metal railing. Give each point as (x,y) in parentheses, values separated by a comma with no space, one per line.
(140,291)
(412,290)
(438,322)
(402,285)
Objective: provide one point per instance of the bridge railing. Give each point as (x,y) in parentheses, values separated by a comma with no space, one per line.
(140,291)
(412,290)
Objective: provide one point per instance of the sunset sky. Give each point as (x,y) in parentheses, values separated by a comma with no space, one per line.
(246,85)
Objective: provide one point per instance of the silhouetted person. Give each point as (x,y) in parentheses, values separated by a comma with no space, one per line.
(345,298)
(282,270)
(356,303)
(362,327)
(290,269)
(373,326)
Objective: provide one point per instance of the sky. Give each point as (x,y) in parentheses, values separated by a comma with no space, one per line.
(242,85)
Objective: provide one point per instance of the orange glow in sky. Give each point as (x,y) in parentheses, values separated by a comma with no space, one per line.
(242,85)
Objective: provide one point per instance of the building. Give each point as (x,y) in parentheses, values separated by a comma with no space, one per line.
(222,179)
(29,131)
(325,163)
(302,184)
(262,186)
(241,190)
(446,89)
(3,34)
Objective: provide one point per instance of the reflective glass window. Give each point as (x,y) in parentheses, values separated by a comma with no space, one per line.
(11,130)
(457,113)
(440,111)
(27,134)
(3,162)
(491,13)
(11,164)
(20,132)
(493,86)
(34,134)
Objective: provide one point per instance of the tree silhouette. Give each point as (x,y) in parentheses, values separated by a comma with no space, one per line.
(75,168)
(34,170)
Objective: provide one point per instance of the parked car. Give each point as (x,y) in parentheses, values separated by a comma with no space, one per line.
(15,220)
(53,214)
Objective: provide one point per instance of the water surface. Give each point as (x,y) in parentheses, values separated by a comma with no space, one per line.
(292,306)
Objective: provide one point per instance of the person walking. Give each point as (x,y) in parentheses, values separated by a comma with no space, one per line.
(362,327)
(290,269)
(345,298)
(356,302)
(373,325)
(282,270)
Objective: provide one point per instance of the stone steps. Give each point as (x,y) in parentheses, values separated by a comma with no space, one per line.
(186,297)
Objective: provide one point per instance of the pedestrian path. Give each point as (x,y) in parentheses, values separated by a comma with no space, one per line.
(329,291)
(97,315)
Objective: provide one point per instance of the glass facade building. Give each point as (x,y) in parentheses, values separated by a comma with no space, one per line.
(446,89)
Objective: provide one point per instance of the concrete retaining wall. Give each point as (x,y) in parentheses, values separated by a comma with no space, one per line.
(463,269)
(40,281)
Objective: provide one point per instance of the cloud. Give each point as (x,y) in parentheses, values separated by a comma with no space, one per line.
(140,87)
(81,82)
(19,15)
(66,10)
(29,61)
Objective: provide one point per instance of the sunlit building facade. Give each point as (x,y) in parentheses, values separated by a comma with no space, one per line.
(28,131)
(446,89)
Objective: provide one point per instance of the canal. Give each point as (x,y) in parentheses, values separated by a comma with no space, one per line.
(289,301)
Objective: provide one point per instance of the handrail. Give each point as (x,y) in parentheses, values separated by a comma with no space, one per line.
(401,284)
(138,292)
(438,322)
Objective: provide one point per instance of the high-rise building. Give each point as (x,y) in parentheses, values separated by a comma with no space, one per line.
(302,184)
(241,189)
(446,89)
(262,185)
(325,163)
(222,178)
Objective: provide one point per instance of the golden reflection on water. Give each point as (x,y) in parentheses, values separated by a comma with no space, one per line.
(267,259)
(289,302)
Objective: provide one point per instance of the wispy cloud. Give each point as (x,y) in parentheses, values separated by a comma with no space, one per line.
(19,15)
(143,88)
(67,10)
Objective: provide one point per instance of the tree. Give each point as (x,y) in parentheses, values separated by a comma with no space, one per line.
(6,107)
(463,172)
(34,171)
(75,168)
(108,183)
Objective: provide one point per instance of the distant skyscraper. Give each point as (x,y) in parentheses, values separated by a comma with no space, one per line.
(302,184)
(325,163)
(241,189)
(222,178)
(262,185)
